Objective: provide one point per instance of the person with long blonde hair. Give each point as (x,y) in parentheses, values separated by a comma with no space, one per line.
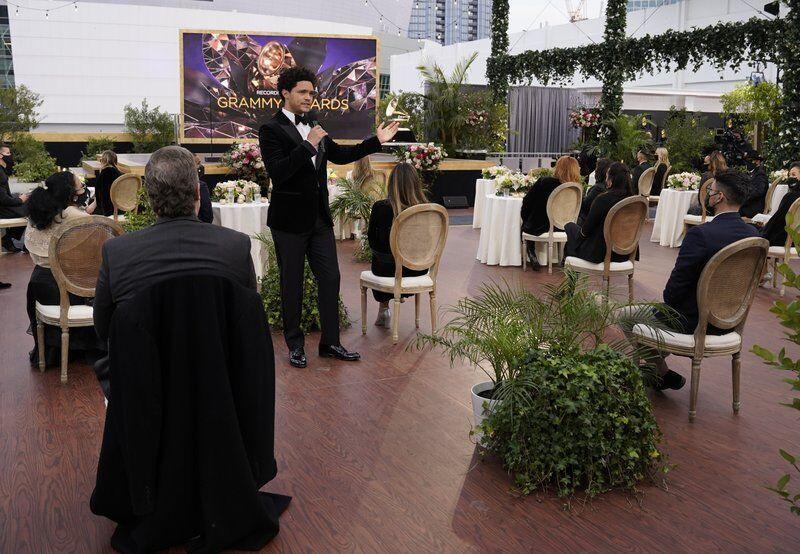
(109,172)
(365,179)
(403,191)
(662,166)
(534,205)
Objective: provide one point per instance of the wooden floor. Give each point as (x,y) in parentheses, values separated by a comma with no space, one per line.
(377,457)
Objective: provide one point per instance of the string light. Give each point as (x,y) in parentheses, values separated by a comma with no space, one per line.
(46,11)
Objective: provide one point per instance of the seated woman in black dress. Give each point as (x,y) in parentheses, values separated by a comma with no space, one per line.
(775,229)
(101,205)
(588,242)
(49,208)
(534,205)
(599,187)
(661,169)
(403,191)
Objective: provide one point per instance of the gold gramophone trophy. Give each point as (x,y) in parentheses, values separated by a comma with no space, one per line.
(396,114)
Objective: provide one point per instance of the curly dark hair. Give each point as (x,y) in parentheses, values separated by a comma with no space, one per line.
(734,185)
(171,181)
(290,76)
(47,202)
(620,177)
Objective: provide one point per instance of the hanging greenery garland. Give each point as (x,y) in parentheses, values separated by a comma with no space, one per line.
(613,70)
(787,148)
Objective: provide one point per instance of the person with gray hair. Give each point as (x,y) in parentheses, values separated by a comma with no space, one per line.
(179,243)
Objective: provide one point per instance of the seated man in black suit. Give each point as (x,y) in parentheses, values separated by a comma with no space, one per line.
(177,244)
(757,189)
(11,205)
(725,194)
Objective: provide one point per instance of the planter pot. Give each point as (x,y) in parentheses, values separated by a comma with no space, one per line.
(478,411)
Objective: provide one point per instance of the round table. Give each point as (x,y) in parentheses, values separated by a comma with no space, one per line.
(673,204)
(500,241)
(250,219)
(482,188)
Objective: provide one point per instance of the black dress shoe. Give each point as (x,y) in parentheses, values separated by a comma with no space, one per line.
(297,357)
(671,380)
(339,352)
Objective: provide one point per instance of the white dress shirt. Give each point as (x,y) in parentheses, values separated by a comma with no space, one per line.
(304,130)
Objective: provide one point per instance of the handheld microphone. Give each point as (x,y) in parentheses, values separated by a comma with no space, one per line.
(313,117)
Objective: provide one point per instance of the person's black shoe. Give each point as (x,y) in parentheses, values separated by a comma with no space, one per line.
(671,380)
(339,352)
(4,285)
(8,244)
(297,357)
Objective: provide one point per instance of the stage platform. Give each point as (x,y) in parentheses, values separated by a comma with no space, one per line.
(456,176)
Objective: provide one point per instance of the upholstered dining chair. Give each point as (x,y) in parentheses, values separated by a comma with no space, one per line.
(622,230)
(688,219)
(417,240)
(725,293)
(646,181)
(563,206)
(125,194)
(782,254)
(75,257)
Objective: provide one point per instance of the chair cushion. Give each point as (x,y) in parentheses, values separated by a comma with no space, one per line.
(419,282)
(780,251)
(653,199)
(579,263)
(681,340)
(557,235)
(78,315)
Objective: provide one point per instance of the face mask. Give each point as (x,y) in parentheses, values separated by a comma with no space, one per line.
(9,163)
(707,202)
(792,182)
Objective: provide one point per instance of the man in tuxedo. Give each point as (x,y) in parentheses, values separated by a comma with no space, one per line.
(726,193)
(636,172)
(178,243)
(11,205)
(296,150)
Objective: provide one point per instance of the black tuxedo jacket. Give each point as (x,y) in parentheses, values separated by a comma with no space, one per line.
(299,188)
(699,245)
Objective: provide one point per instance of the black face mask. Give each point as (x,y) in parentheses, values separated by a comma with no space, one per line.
(792,182)
(709,207)
(9,163)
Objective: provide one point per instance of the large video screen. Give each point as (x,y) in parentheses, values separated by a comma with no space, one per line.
(229,82)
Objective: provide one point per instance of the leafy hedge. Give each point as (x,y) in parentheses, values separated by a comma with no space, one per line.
(584,424)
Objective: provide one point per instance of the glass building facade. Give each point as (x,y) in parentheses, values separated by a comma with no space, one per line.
(448,22)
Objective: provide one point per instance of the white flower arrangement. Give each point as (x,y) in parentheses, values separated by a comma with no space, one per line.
(684,181)
(511,183)
(424,157)
(780,175)
(495,171)
(246,190)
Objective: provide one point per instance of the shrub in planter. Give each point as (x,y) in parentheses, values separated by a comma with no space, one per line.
(270,287)
(96,146)
(35,168)
(577,422)
(143,216)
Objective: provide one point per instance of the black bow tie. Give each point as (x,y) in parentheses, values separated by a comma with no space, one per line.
(302,119)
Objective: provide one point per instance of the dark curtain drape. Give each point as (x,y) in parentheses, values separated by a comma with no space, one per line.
(539,119)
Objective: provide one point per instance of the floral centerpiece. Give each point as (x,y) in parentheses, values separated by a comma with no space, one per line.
(245,162)
(684,181)
(538,172)
(513,183)
(495,171)
(424,157)
(239,191)
(584,118)
(780,175)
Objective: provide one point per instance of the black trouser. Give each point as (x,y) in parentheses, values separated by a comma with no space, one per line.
(291,249)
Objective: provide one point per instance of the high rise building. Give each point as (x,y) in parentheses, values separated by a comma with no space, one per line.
(634,5)
(450,21)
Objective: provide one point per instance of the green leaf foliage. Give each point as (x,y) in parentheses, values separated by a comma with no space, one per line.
(96,146)
(34,164)
(579,422)
(142,217)
(150,128)
(789,318)
(686,136)
(622,137)
(271,295)
(19,108)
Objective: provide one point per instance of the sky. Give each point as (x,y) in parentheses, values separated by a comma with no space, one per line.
(530,14)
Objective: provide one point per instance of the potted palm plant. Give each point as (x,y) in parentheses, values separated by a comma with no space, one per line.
(495,330)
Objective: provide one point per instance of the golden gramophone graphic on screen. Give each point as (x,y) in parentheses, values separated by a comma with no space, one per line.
(397,114)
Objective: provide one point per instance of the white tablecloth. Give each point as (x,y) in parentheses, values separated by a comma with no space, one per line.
(672,206)
(482,188)
(501,231)
(249,219)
